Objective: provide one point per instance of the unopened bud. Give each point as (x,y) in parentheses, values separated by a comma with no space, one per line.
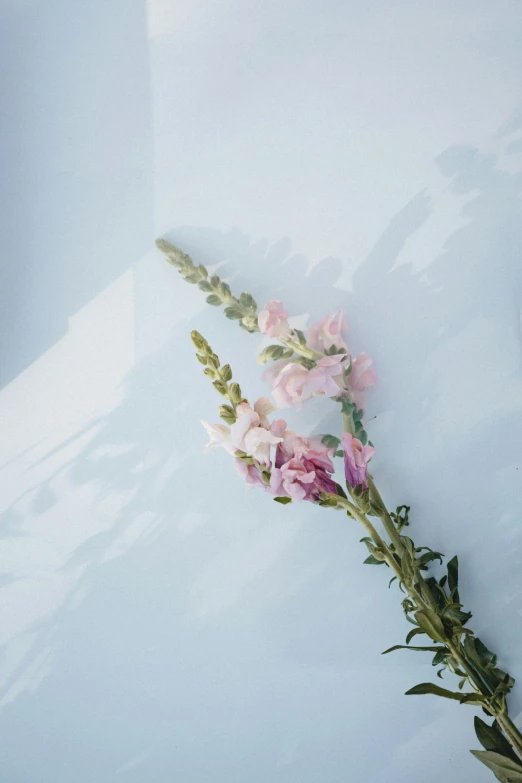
(199,341)
(249,322)
(221,388)
(227,413)
(226,372)
(235,392)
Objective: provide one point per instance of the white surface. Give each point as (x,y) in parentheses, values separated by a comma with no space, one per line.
(159,624)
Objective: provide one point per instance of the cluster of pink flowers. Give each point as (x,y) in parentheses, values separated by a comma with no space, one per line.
(301,468)
(276,459)
(292,383)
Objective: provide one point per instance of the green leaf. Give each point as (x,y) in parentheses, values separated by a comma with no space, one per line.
(492,739)
(427,557)
(458,616)
(428,687)
(440,656)
(371,560)
(474,699)
(283,500)
(419,649)
(453,577)
(413,633)
(431,624)
(504,769)
(484,653)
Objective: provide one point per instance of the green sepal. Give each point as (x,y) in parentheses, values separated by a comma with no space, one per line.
(283,500)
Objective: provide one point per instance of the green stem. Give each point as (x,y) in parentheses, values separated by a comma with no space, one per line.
(423,600)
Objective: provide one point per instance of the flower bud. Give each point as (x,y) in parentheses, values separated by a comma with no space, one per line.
(227,413)
(199,341)
(249,322)
(221,388)
(226,372)
(235,393)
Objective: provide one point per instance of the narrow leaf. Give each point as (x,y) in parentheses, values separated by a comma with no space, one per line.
(505,769)
(453,576)
(492,739)
(413,633)
(373,561)
(431,624)
(420,649)
(428,687)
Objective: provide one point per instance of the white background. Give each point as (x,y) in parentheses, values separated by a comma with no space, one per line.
(157,623)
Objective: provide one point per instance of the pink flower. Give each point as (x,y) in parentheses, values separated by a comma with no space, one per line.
(360,378)
(273,320)
(288,385)
(250,474)
(293,384)
(263,407)
(322,336)
(356,458)
(301,472)
(322,379)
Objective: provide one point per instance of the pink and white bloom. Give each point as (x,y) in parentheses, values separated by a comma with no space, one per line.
(327,333)
(356,458)
(293,384)
(251,432)
(301,471)
(273,320)
(250,474)
(263,407)
(361,378)
(289,384)
(219,437)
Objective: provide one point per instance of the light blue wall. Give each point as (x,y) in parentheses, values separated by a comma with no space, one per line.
(158,624)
